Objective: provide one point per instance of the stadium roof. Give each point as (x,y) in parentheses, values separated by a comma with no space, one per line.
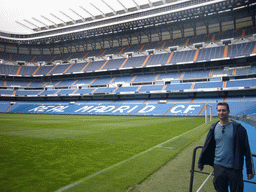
(152,17)
(55,14)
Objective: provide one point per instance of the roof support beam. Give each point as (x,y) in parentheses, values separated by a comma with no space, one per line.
(49,20)
(23,25)
(109,7)
(77,14)
(40,22)
(31,23)
(58,19)
(170,32)
(87,12)
(103,14)
(111,43)
(234,20)
(120,41)
(126,10)
(182,31)
(68,16)
(129,39)
(253,21)
(160,34)
(137,5)
(193,25)
(206,23)
(150,3)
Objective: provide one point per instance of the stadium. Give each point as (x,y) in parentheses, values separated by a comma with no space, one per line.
(108,101)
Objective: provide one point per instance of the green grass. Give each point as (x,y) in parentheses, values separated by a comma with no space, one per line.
(103,153)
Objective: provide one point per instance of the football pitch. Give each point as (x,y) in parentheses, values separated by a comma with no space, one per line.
(88,153)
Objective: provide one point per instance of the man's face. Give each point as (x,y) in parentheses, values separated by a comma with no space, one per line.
(222,112)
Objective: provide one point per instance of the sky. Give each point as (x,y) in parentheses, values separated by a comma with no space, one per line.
(21,10)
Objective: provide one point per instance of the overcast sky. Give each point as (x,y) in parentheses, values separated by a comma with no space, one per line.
(15,10)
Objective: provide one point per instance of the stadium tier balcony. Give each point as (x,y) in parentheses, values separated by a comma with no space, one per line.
(64,83)
(106,90)
(205,85)
(27,70)
(249,83)
(8,69)
(145,78)
(212,49)
(83,82)
(2,83)
(183,56)
(27,92)
(123,79)
(114,50)
(135,62)
(208,54)
(113,64)
(49,92)
(6,92)
(197,74)
(64,92)
(132,89)
(88,91)
(159,59)
(44,70)
(35,84)
(252,70)
(148,88)
(132,48)
(243,71)
(58,69)
(221,72)
(94,66)
(242,46)
(102,81)
(172,76)
(243,49)
(178,87)
(16,84)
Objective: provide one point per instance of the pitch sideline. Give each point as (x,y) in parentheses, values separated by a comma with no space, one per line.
(124,161)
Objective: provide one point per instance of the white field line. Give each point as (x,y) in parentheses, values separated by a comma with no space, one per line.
(124,161)
(46,131)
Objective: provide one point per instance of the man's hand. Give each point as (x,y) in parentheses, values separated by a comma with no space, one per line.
(250,176)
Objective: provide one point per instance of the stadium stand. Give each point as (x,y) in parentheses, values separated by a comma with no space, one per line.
(162,58)
(186,66)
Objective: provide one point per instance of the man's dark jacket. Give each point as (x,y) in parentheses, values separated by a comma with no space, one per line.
(241,149)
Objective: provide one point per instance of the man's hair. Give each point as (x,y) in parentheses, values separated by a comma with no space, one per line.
(223,104)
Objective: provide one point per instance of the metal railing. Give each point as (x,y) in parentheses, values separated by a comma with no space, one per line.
(193,171)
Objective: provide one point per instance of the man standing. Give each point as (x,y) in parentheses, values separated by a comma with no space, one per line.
(225,147)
